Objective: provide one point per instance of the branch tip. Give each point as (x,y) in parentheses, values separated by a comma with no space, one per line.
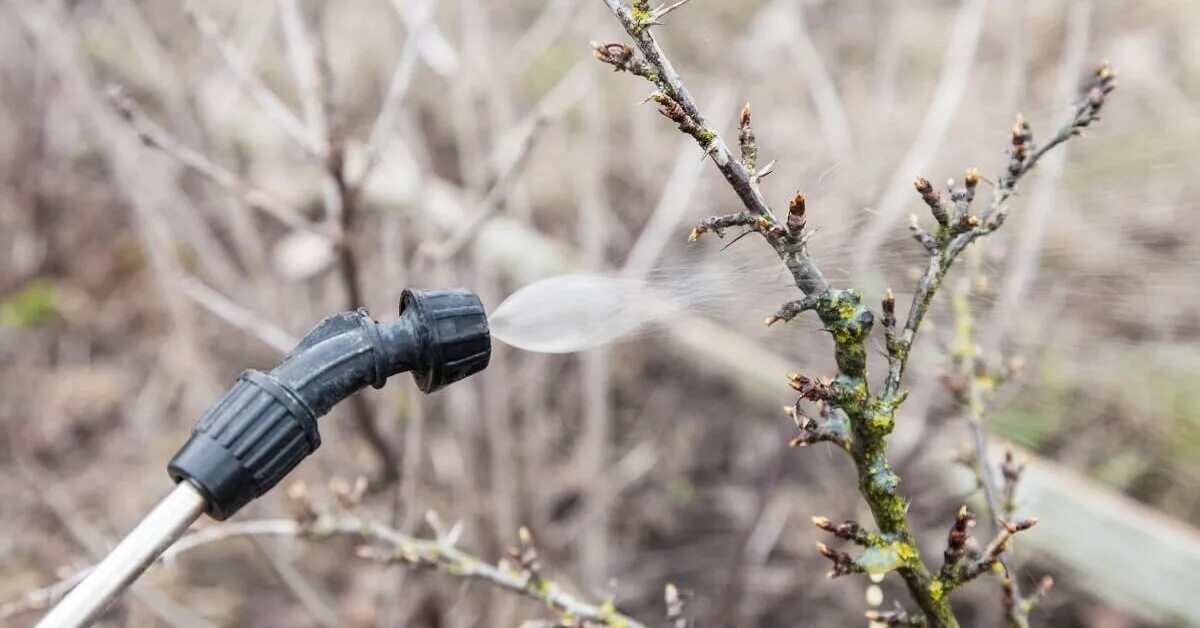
(796,215)
(747,141)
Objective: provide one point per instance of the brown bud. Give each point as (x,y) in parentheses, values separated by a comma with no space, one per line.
(746,140)
(923,185)
(931,198)
(614,54)
(960,532)
(889,310)
(796,215)
(810,389)
(971,178)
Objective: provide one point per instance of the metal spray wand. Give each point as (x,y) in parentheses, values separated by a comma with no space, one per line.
(267,423)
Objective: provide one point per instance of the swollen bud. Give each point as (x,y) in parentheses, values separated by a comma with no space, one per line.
(796,215)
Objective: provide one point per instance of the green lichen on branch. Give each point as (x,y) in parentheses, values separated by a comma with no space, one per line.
(852,417)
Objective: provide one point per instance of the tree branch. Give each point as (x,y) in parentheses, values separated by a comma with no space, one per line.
(520,574)
(855,419)
(637,22)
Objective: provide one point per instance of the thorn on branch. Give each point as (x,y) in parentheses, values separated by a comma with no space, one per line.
(932,199)
(849,530)
(658,14)
(675,606)
(843,563)
(718,224)
(922,236)
(765,172)
(791,310)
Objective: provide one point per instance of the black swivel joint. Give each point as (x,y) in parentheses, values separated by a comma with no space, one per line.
(267,422)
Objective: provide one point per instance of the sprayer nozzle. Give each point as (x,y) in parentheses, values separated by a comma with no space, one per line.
(267,423)
(457,343)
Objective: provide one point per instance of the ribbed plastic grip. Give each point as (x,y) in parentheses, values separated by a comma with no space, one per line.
(246,443)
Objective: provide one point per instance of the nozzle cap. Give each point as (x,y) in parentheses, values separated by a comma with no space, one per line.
(458,343)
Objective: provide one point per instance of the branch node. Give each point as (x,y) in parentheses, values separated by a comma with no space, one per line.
(848,530)
(922,236)
(843,563)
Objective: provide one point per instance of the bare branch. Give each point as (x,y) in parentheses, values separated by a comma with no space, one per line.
(849,530)
(250,81)
(791,310)
(718,224)
(992,554)
(155,136)
(843,563)
(440,554)
(965,228)
(675,99)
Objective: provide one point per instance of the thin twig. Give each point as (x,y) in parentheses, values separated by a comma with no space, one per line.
(492,202)
(383,129)
(440,554)
(155,136)
(227,310)
(568,91)
(807,275)
(957,60)
(250,81)
(855,419)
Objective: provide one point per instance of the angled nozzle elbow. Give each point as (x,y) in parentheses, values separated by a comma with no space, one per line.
(267,423)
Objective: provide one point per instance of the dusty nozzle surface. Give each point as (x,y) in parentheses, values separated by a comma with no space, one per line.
(457,342)
(267,422)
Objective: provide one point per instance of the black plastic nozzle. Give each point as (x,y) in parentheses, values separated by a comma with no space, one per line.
(267,422)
